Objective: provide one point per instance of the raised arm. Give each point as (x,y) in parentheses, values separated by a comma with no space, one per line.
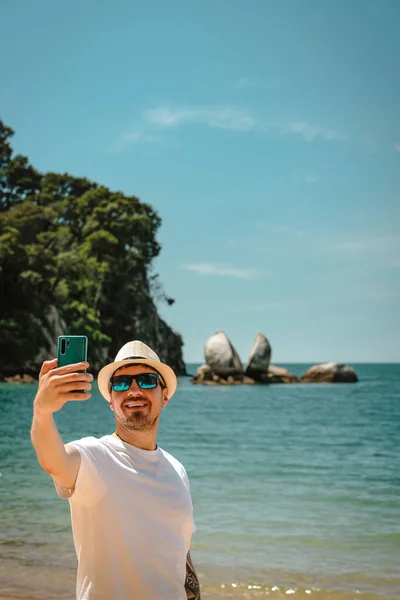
(192,585)
(56,387)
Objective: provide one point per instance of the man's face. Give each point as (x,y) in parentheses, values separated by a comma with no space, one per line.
(138,409)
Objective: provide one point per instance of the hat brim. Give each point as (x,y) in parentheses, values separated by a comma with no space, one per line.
(104,376)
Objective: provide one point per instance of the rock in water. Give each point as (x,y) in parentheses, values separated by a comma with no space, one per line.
(204,373)
(330,373)
(280,375)
(221,356)
(18,379)
(259,358)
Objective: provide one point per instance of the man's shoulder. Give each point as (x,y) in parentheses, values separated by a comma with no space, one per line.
(178,466)
(89,443)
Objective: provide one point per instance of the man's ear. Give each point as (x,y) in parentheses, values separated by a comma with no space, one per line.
(165,397)
(111,406)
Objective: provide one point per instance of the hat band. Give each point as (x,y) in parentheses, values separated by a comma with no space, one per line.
(144,358)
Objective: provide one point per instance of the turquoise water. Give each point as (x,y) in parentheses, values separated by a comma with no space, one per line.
(294,486)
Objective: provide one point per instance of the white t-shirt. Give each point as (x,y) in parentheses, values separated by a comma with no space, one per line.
(132,522)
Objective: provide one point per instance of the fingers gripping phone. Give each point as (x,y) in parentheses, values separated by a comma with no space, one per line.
(71,349)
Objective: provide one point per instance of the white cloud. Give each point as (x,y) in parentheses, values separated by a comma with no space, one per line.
(221,270)
(231,117)
(397,147)
(219,117)
(377,250)
(137,136)
(222,117)
(309,132)
(131,139)
(390,243)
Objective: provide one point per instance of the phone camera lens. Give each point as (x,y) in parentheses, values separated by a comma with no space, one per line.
(63,344)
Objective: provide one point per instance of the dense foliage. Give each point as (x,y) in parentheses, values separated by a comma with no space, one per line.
(75,247)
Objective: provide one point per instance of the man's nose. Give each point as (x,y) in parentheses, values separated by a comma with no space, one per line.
(135,389)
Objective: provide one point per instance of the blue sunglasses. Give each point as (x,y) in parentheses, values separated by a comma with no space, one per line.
(146,381)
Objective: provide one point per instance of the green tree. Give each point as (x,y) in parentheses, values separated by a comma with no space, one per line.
(69,243)
(18,179)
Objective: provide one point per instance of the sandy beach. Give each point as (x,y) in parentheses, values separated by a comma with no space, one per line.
(28,582)
(232,591)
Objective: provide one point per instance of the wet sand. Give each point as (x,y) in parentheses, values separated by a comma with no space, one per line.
(234,593)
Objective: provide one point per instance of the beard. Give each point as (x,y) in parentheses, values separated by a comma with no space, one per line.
(137,421)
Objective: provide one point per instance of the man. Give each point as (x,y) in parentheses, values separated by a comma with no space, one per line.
(131,509)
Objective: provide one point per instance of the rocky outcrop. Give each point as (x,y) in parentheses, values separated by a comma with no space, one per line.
(329,373)
(223,366)
(52,327)
(280,375)
(222,357)
(147,326)
(204,373)
(20,379)
(207,376)
(275,374)
(153,331)
(259,359)
(38,344)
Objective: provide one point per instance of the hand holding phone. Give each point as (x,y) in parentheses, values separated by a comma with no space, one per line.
(61,384)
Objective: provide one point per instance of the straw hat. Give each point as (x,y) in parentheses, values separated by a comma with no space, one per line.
(136,352)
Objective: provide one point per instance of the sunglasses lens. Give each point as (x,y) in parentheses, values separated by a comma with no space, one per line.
(147,381)
(121,384)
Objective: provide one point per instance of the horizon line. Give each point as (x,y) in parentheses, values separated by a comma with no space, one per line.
(354,362)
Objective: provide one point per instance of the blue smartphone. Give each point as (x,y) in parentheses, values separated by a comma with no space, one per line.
(71,349)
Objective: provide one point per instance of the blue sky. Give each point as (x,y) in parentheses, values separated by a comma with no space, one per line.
(267,136)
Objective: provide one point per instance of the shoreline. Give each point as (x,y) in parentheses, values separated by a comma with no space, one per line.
(229,591)
(39,582)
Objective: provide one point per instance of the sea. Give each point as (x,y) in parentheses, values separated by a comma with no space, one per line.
(296,488)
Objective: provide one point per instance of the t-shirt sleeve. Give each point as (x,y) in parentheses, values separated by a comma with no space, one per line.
(89,486)
(187,483)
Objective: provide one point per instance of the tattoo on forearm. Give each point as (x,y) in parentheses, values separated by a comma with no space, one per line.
(192,586)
